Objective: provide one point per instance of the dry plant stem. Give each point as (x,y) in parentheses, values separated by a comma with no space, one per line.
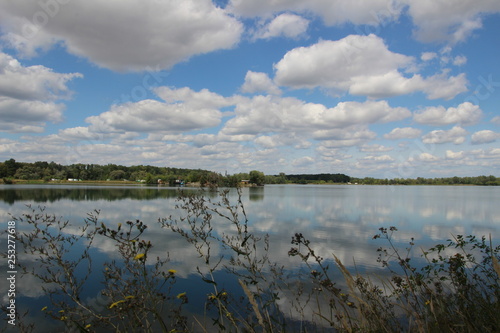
(50,230)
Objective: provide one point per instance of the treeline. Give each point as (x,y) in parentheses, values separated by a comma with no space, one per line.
(318,178)
(48,171)
(11,170)
(479,180)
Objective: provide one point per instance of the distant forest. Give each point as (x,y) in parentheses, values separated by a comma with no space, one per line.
(11,170)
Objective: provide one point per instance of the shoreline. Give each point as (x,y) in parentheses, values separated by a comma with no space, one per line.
(135,183)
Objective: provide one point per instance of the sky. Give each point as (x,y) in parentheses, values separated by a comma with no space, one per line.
(368,88)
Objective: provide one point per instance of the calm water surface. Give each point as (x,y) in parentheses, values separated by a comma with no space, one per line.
(336,219)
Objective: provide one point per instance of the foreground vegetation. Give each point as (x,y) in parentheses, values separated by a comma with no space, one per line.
(457,290)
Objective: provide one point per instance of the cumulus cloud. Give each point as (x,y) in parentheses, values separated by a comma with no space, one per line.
(426,56)
(33,82)
(403,133)
(464,114)
(284,25)
(372,12)
(27,116)
(345,137)
(272,141)
(435,21)
(361,65)
(268,141)
(484,136)
(375,148)
(426,157)
(452,155)
(455,135)
(378,158)
(183,110)
(79,133)
(194,99)
(458,22)
(333,63)
(491,153)
(443,86)
(459,60)
(140,35)
(351,113)
(28,95)
(259,82)
(264,114)
(303,161)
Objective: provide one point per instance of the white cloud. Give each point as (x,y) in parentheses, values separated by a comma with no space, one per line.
(496,120)
(451,155)
(369,112)
(361,65)
(27,116)
(288,139)
(266,114)
(303,161)
(403,133)
(426,56)
(28,95)
(267,141)
(284,25)
(464,114)
(484,136)
(151,115)
(33,82)
(375,148)
(378,158)
(372,12)
(459,60)
(345,137)
(491,153)
(334,63)
(444,86)
(426,157)
(125,35)
(194,99)
(441,21)
(448,21)
(421,158)
(455,135)
(184,110)
(259,82)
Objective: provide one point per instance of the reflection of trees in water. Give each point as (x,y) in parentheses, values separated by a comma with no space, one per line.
(51,194)
(256,193)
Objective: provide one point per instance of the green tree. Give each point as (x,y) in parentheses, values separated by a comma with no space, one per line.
(28,172)
(257,177)
(116,174)
(11,166)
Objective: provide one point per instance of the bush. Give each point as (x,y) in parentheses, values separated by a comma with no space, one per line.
(7,181)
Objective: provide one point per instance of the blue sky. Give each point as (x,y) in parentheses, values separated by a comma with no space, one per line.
(381,88)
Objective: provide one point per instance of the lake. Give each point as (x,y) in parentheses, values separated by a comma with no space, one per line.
(338,219)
